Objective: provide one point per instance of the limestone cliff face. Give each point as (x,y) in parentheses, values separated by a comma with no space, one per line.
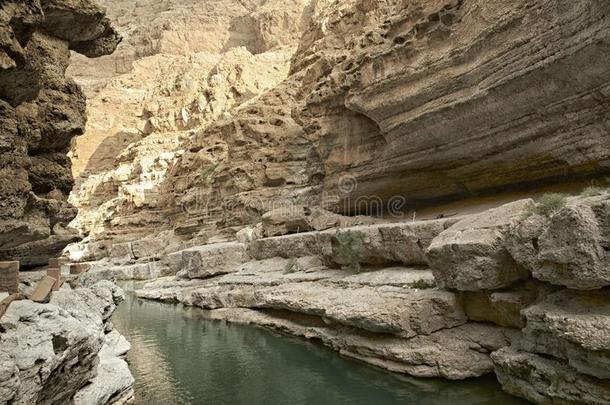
(187,27)
(425,100)
(194,152)
(41,111)
(162,129)
(435,99)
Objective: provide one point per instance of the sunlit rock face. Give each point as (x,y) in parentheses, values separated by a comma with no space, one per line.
(162,111)
(426,100)
(41,111)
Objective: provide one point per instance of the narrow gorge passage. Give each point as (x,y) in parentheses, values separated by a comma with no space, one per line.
(299,202)
(179,357)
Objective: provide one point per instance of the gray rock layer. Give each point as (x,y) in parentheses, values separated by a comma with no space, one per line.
(484,303)
(49,352)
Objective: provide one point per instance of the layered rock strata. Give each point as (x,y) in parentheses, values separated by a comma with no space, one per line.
(415,307)
(40,111)
(384,106)
(560,354)
(452,98)
(182,68)
(295,284)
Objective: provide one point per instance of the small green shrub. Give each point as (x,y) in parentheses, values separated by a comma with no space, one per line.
(549,204)
(291,266)
(351,245)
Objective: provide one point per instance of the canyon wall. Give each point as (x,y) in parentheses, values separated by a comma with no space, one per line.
(406,103)
(204,62)
(41,111)
(235,152)
(437,99)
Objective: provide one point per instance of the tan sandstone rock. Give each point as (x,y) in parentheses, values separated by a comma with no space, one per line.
(547,381)
(471,255)
(573,326)
(211,260)
(571,248)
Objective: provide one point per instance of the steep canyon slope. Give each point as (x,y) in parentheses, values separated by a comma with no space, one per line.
(41,111)
(411,100)
(202,63)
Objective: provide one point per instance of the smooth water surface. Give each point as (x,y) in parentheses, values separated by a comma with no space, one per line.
(179,358)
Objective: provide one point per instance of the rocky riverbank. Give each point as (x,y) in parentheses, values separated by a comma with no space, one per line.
(520,290)
(64,351)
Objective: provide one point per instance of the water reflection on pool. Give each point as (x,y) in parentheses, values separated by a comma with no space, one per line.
(179,358)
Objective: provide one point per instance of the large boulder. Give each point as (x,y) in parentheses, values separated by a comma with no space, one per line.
(571,248)
(404,242)
(113,382)
(50,351)
(471,255)
(211,260)
(546,381)
(296,245)
(385,243)
(572,326)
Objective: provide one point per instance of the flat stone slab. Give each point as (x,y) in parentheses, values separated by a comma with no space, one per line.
(43,289)
(56,274)
(211,260)
(455,353)
(398,276)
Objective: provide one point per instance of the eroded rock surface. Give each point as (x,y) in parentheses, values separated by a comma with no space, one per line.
(49,352)
(392,318)
(388,315)
(431,99)
(545,380)
(40,112)
(378,106)
(411,101)
(162,125)
(471,255)
(448,320)
(572,248)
